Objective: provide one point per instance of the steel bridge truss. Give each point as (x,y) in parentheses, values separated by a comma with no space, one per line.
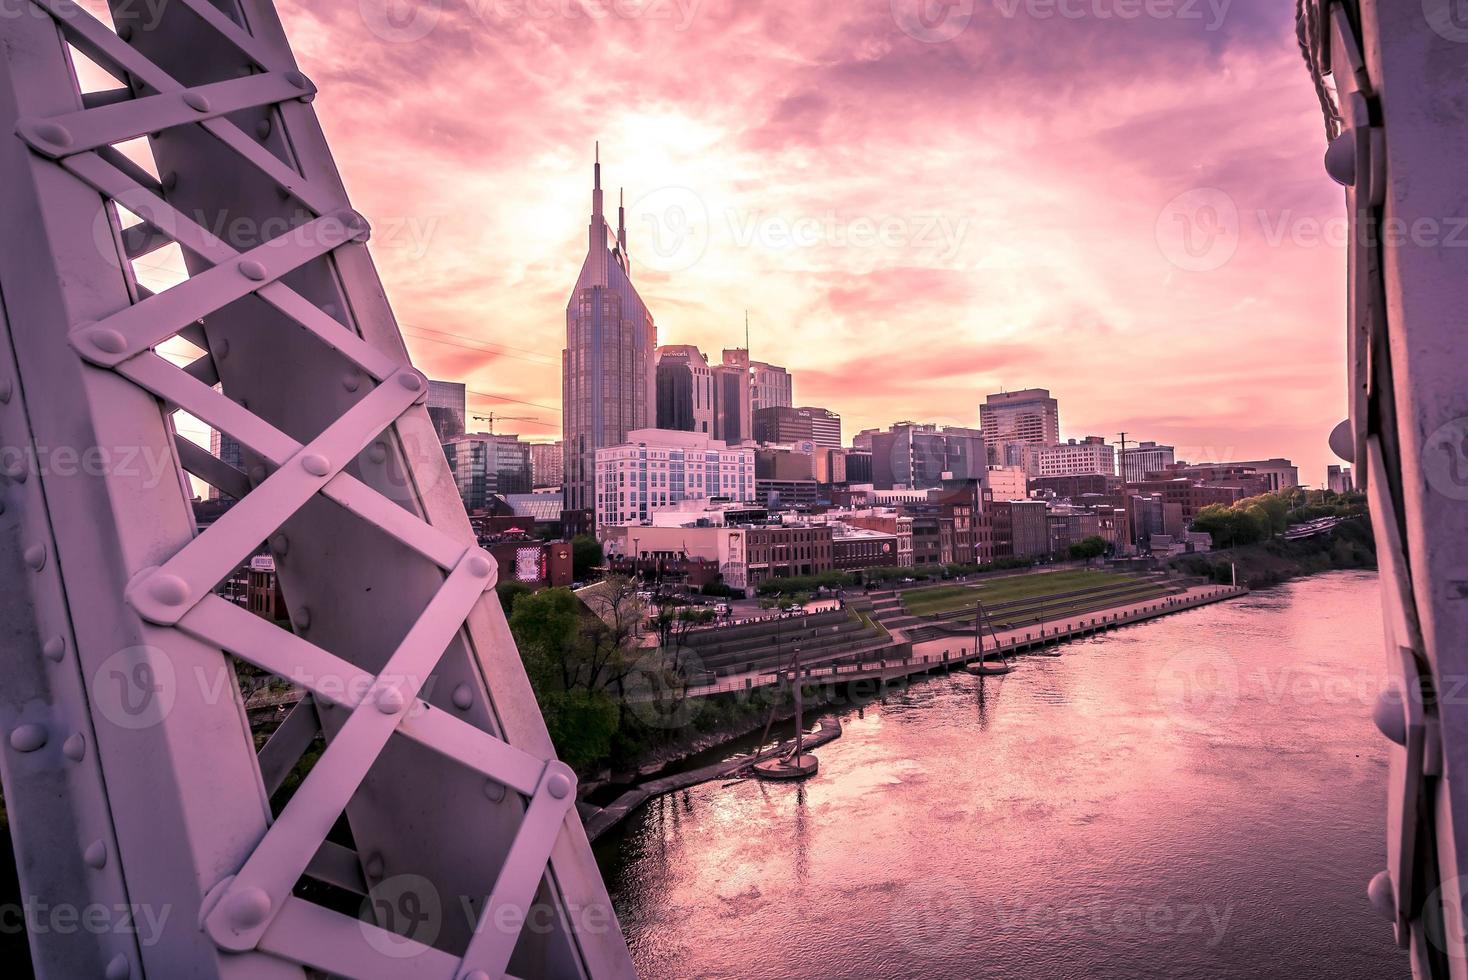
(130,773)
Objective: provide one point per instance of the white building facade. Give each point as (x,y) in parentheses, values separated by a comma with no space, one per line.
(1089,455)
(658,468)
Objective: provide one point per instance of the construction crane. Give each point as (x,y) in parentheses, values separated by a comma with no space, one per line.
(1392,80)
(493,417)
(436,836)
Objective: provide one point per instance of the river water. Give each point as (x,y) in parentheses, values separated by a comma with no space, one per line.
(1199,796)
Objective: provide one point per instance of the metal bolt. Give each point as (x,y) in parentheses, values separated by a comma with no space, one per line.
(53,133)
(15,470)
(28,738)
(118,968)
(257,474)
(247,908)
(378,453)
(262,129)
(125,32)
(54,649)
(197,101)
(170,590)
(35,557)
(106,340)
(351,382)
(75,747)
(389,700)
(1390,715)
(558,786)
(253,270)
(410,380)
(495,791)
(96,855)
(220,348)
(480,566)
(316,464)
(297,79)
(463,697)
(7,388)
(303,618)
(1382,895)
(280,544)
(374,866)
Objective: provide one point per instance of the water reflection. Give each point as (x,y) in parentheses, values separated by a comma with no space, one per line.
(1196,797)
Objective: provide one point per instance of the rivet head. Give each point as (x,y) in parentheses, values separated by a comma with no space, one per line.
(463,697)
(75,747)
(7,389)
(378,453)
(170,590)
(247,908)
(297,79)
(125,32)
(495,791)
(316,464)
(257,474)
(357,225)
(118,968)
(374,866)
(262,129)
(1340,158)
(480,566)
(410,380)
(280,544)
(389,700)
(14,469)
(107,340)
(1382,895)
(351,382)
(169,181)
(197,101)
(54,649)
(476,975)
(253,270)
(220,348)
(1390,715)
(35,557)
(28,738)
(96,854)
(558,786)
(303,617)
(53,133)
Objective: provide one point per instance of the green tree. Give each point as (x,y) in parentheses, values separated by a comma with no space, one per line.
(586,556)
(547,628)
(581,724)
(1088,548)
(509,592)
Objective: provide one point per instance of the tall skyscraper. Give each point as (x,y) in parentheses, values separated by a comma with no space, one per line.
(685,390)
(732,420)
(770,386)
(484,465)
(547,464)
(228,449)
(922,457)
(448,409)
(1011,420)
(787,426)
(608,373)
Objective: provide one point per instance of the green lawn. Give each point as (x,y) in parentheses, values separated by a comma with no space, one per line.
(947,598)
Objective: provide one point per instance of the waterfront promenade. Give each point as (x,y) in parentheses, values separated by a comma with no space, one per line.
(947,652)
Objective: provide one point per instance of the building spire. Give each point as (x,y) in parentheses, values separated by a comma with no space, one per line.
(622,218)
(596,199)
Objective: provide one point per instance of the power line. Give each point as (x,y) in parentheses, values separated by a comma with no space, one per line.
(516,401)
(486,344)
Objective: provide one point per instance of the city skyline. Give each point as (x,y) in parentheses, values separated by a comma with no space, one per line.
(1055,280)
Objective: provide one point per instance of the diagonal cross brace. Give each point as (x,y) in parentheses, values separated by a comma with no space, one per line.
(256,893)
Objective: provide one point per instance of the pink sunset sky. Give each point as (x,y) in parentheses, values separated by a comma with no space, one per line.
(917,201)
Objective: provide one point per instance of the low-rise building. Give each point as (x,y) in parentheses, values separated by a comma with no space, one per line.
(1076,458)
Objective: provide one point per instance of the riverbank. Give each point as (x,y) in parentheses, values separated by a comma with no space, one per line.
(1347,547)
